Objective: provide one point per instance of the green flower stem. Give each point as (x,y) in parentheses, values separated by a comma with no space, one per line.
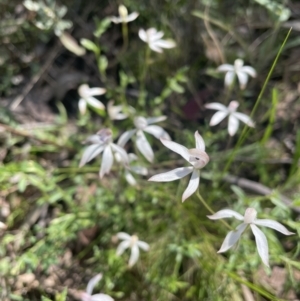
(212,211)
(142,96)
(125,36)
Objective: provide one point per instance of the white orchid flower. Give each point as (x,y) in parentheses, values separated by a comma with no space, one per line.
(123,16)
(102,142)
(249,219)
(117,112)
(238,69)
(145,125)
(86,98)
(233,116)
(87,295)
(197,157)
(134,244)
(154,39)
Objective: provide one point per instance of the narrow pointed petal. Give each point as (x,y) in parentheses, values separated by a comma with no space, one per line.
(233,125)
(143,245)
(216,106)
(262,244)
(273,225)
(232,237)
(122,247)
(132,17)
(249,70)
(155,119)
(143,146)
(90,153)
(101,297)
(218,117)
(125,137)
(115,20)
(121,151)
(95,91)
(226,213)
(92,283)
(225,68)
(124,236)
(134,256)
(93,102)
(155,48)
(164,44)
(143,35)
(107,161)
(243,79)
(139,170)
(157,131)
(193,185)
(130,178)
(244,118)
(154,34)
(200,144)
(229,78)
(172,175)
(177,148)
(82,106)
(94,139)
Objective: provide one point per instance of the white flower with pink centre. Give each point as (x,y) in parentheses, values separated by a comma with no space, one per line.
(197,157)
(249,219)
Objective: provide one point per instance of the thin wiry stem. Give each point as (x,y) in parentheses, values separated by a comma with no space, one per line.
(211,210)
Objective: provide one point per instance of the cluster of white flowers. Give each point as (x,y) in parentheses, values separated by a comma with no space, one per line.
(196,157)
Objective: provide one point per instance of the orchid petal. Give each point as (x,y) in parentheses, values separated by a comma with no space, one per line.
(90,153)
(95,91)
(261,243)
(232,237)
(154,35)
(273,225)
(115,20)
(129,178)
(143,245)
(193,185)
(107,161)
(143,35)
(157,131)
(139,170)
(172,175)
(122,247)
(132,17)
(82,106)
(101,297)
(134,256)
(225,68)
(226,213)
(155,48)
(164,44)
(249,70)
(155,119)
(91,284)
(125,137)
(177,148)
(143,146)
(218,117)
(229,78)
(243,79)
(216,106)
(121,151)
(123,235)
(93,102)
(233,125)
(244,118)
(200,144)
